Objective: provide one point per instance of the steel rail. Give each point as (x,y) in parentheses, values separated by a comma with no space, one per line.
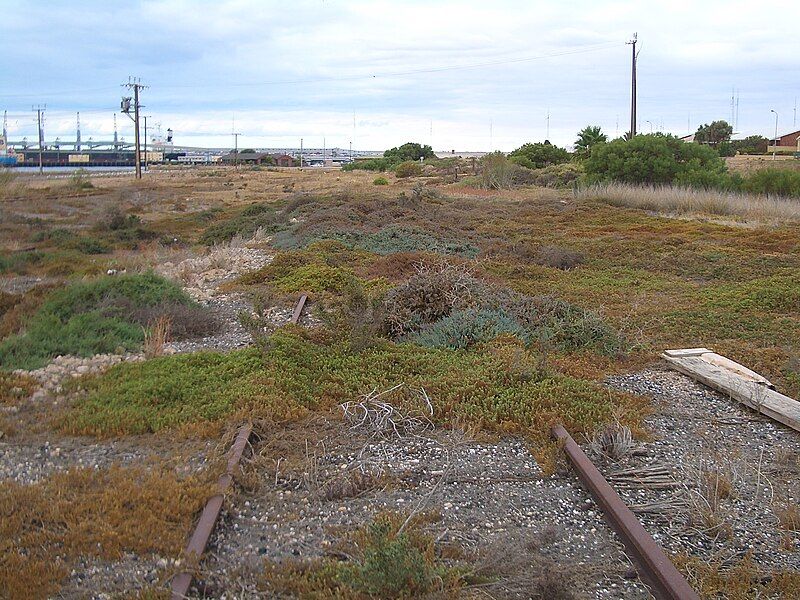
(299,308)
(655,569)
(202,533)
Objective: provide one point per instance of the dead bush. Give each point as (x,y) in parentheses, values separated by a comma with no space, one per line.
(350,484)
(437,291)
(558,257)
(614,441)
(515,566)
(156,336)
(47,526)
(788,516)
(186,321)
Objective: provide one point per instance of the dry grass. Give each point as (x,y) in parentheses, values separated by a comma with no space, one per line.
(156,336)
(46,527)
(14,388)
(683,201)
(741,581)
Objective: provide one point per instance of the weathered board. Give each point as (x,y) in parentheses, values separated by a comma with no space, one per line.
(737,382)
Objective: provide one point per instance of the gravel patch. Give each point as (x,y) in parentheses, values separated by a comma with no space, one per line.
(700,435)
(484,492)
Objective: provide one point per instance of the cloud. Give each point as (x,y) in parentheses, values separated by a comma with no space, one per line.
(300,69)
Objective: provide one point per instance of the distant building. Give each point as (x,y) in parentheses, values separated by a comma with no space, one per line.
(283,160)
(246,158)
(688,138)
(790,141)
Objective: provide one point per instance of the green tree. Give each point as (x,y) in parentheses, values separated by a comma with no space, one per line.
(753,144)
(713,133)
(654,159)
(589,136)
(538,156)
(408,151)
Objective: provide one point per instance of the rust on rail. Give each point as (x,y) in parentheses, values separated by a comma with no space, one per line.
(202,533)
(655,569)
(299,308)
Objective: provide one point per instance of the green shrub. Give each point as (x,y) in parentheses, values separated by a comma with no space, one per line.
(557,176)
(408,169)
(410,151)
(709,180)
(91,317)
(391,566)
(244,224)
(89,245)
(297,375)
(80,181)
(19,262)
(372,164)
(433,294)
(753,144)
(497,171)
(464,328)
(394,238)
(652,159)
(380,181)
(538,156)
(321,267)
(382,564)
(775,182)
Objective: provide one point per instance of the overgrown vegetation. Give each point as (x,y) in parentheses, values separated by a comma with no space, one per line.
(100,316)
(539,155)
(685,201)
(245,223)
(447,307)
(46,527)
(500,386)
(384,562)
(404,160)
(661,160)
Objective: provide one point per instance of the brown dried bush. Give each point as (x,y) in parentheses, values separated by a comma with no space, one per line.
(156,335)
(516,566)
(558,257)
(45,527)
(185,321)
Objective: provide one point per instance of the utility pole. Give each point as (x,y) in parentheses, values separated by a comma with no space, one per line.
(39,110)
(116,139)
(301,153)
(78,131)
(633,85)
(236,149)
(125,106)
(145,142)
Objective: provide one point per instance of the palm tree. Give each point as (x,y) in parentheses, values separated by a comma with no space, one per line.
(588,137)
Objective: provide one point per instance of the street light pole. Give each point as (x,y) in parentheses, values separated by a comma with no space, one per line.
(775,141)
(651,126)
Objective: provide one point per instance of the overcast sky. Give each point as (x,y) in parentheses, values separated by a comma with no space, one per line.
(455,74)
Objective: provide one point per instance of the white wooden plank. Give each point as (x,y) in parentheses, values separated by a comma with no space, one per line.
(753,394)
(686,352)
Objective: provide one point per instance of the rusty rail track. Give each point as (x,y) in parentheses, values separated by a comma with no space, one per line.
(202,533)
(655,568)
(298,309)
